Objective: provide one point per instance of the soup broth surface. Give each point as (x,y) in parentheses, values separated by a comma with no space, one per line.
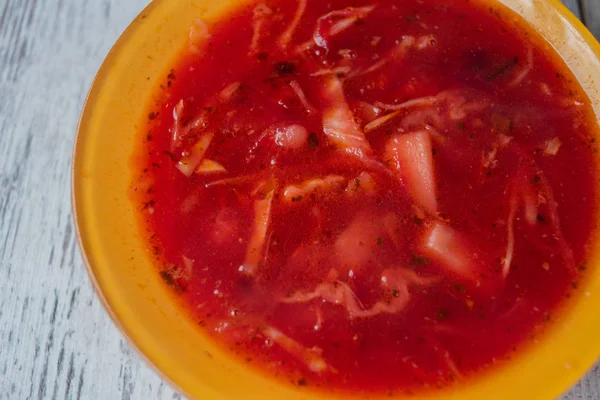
(369,197)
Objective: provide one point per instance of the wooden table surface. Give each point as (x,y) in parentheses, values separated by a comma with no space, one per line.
(56,340)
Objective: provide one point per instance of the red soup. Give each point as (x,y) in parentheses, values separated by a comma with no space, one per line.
(384,197)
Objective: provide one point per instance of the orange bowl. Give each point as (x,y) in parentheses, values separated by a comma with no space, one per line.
(141,306)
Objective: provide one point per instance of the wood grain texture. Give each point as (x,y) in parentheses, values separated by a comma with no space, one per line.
(590,11)
(574,6)
(56,341)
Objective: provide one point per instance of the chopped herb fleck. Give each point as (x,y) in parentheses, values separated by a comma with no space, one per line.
(284,68)
(470,303)
(168,278)
(461,126)
(357,182)
(460,288)
(379,241)
(535,180)
(297,198)
(420,260)
(313,140)
(547,317)
(152,116)
(412,18)
(302,382)
(546,266)
(501,124)
(170,155)
(395,293)
(503,69)
(148,204)
(442,313)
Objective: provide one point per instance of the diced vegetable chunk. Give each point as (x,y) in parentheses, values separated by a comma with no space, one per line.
(255,249)
(295,193)
(311,357)
(338,21)
(176,129)
(188,164)
(188,267)
(368,112)
(354,247)
(210,167)
(261,13)
(510,235)
(181,130)
(552,146)
(411,156)
(225,228)
(229,91)
(453,252)
(364,183)
(338,121)
(376,123)
(198,35)
(291,137)
(302,97)
(286,36)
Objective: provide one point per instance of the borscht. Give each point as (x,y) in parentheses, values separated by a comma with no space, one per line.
(372,197)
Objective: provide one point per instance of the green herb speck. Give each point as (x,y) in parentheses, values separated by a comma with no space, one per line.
(442,313)
(313,140)
(420,260)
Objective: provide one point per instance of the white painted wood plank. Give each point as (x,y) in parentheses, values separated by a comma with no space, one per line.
(56,341)
(573,5)
(591,15)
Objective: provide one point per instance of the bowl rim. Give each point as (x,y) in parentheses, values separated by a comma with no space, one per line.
(91,96)
(95,88)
